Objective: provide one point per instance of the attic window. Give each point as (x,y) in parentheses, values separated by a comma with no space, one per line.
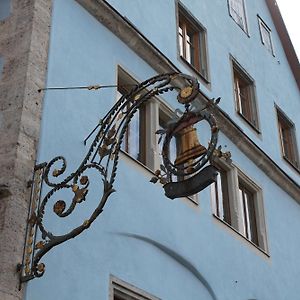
(265,34)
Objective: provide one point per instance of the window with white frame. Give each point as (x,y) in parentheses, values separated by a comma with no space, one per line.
(140,141)
(265,34)
(121,290)
(238,13)
(134,142)
(192,42)
(237,201)
(287,138)
(244,95)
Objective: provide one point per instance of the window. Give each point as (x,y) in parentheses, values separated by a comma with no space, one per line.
(140,141)
(265,34)
(220,196)
(134,139)
(244,95)
(237,201)
(120,290)
(164,118)
(192,42)
(248,214)
(287,139)
(237,12)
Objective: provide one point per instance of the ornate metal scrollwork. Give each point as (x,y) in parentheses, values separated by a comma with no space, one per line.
(102,157)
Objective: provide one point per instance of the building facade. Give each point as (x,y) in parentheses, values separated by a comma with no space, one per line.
(236,239)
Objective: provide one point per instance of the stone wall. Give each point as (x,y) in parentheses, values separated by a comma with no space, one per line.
(24,38)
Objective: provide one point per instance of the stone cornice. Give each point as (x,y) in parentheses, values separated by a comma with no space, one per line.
(126,31)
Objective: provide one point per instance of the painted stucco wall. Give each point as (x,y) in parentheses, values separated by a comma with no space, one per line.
(171,249)
(273,77)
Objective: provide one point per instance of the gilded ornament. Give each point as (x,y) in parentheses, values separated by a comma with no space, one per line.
(55,172)
(80,195)
(41,267)
(59,207)
(137,97)
(39,245)
(75,188)
(214,129)
(84,180)
(186,92)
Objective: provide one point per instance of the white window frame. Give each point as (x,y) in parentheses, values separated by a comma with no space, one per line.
(252,98)
(118,287)
(202,45)
(239,18)
(153,107)
(264,27)
(234,176)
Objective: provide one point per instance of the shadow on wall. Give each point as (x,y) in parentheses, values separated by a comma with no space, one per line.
(175,256)
(5,6)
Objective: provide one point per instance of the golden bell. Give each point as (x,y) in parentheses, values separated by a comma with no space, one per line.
(189,146)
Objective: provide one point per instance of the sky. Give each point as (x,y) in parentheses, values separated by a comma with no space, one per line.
(290,10)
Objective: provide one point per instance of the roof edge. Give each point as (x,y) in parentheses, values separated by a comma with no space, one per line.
(285,39)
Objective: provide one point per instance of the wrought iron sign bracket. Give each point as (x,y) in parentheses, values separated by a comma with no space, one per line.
(187,175)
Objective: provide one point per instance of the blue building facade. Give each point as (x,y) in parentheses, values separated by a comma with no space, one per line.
(238,238)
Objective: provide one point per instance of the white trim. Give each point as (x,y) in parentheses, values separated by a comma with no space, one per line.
(127,291)
(234,175)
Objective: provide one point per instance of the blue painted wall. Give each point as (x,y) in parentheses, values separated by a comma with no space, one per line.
(4,9)
(273,78)
(171,249)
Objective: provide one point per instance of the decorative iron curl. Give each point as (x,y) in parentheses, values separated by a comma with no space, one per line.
(102,157)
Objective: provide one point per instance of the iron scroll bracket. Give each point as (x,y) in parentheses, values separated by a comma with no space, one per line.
(49,178)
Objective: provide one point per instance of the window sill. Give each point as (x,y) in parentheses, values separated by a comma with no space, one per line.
(204,79)
(257,131)
(242,236)
(146,168)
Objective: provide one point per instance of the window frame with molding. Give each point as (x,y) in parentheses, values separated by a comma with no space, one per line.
(234,179)
(265,35)
(245,95)
(237,11)
(192,35)
(121,290)
(154,110)
(287,139)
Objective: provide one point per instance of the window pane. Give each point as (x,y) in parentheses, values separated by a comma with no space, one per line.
(266,36)
(133,133)
(181,45)
(188,53)
(252,229)
(244,96)
(287,139)
(173,143)
(133,142)
(237,12)
(248,215)
(191,47)
(221,197)
(242,214)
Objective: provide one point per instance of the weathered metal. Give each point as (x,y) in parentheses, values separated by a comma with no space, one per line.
(102,157)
